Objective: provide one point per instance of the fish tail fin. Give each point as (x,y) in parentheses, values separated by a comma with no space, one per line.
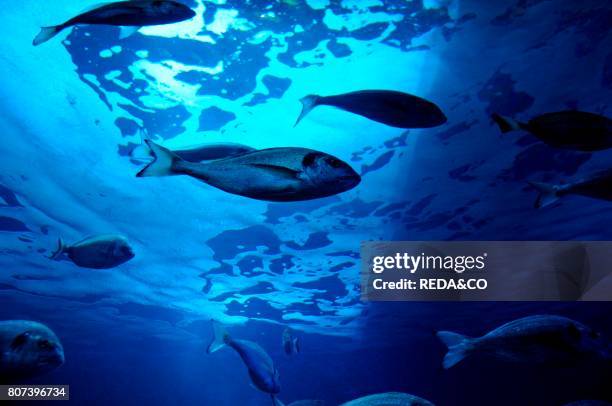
(164,162)
(220,338)
(144,134)
(142,153)
(46,33)
(61,248)
(506,124)
(308,103)
(547,194)
(458,347)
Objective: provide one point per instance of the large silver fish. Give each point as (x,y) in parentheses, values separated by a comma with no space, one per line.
(275,174)
(27,349)
(133,13)
(542,339)
(576,130)
(99,252)
(395,109)
(389,399)
(262,371)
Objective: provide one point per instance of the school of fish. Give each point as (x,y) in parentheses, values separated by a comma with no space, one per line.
(29,349)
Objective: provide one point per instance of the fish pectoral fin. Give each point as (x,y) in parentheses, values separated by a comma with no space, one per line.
(128,31)
(281,171)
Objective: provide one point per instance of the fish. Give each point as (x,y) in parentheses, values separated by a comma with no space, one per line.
(27,349)
(262,371)
(275,174)
(596,186)
(130,15)
(389,399)
(99,252)
(195,153)
(539,339)
(573,130)
(395,109)
(291,344)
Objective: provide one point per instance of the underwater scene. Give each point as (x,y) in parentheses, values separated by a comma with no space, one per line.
(184,188)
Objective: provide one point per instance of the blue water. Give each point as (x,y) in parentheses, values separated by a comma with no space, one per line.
(71,113)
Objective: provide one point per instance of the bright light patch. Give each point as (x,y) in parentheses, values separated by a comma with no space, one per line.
(361,4)
(355,21)
(164,90)
(317,4)
(225,20)
(179,67)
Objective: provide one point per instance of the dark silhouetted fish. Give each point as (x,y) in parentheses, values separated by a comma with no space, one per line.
(389,399)
(100,252)
(262,371)
(575,130)
(544,339)
(395,109)
(597,186)
(291,344)
(276,174)
(134,14)
(27,349)
(197,153)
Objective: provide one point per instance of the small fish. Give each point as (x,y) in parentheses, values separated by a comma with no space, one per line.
(575,130)
(389,399)
(597,186)
(275,174)
(395,109)
(130,15)
(100,252)
(196,153)
(291,344)
(27,349)
(262,371)
(541,339)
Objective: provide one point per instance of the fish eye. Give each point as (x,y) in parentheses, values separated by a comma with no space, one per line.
(334,163)
(594,334)
(45,345)
(310,159)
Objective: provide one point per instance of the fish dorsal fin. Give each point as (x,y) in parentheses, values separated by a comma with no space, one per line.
(94,7)
(279,170)
(128,31)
